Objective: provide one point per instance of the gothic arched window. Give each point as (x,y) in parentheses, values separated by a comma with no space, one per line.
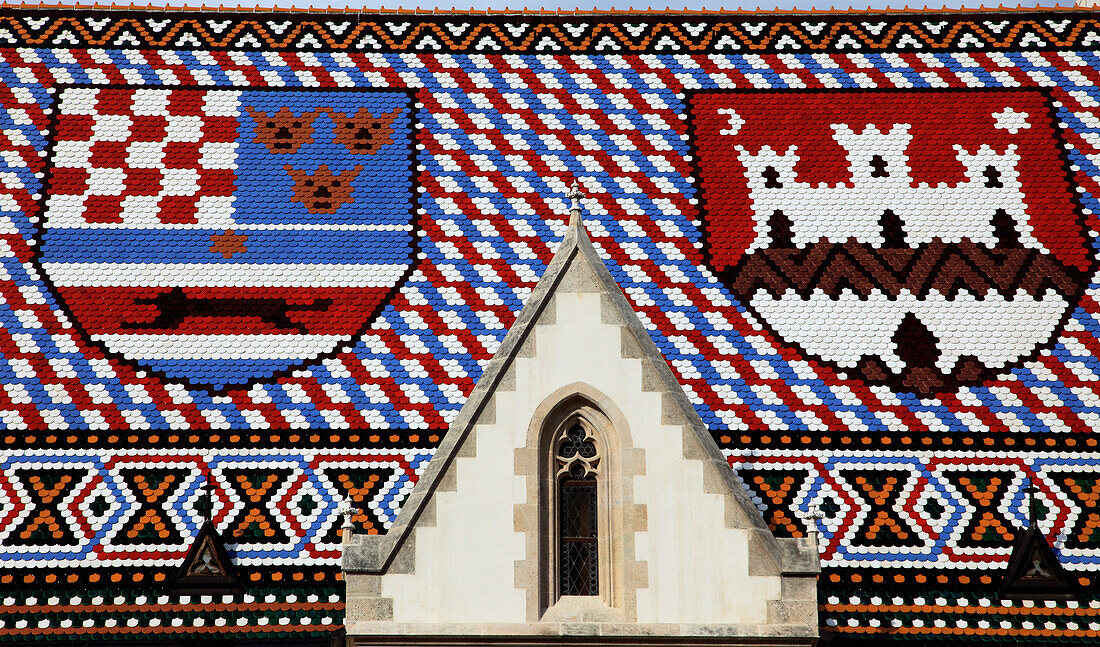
(577,459)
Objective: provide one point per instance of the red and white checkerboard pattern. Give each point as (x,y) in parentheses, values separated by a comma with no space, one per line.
(141,159)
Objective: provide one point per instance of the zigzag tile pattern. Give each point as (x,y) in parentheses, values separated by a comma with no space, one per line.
(943,268)
(922,509)
(880,510)
(135,508)
(465,34)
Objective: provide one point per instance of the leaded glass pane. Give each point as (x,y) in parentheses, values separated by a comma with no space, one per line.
(577,522)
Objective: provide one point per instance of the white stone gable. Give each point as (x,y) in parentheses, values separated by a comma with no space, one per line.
(688,554)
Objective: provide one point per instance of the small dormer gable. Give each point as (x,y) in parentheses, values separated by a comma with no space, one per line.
(578,493)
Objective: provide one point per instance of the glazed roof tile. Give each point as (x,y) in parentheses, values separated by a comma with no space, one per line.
(183,310)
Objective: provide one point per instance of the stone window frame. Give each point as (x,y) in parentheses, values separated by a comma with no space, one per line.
(550,492)
(619,517)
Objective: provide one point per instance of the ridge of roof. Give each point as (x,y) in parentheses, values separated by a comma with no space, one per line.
(526,12)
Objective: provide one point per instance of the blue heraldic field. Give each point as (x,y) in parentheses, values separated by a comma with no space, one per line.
(251,266)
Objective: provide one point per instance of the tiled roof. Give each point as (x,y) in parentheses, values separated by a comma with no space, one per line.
(637,33)
(652,9)
(136,614)
(885,613)
(271,254)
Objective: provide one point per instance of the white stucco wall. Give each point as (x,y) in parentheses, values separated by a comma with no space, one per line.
(465,563)
(464,570)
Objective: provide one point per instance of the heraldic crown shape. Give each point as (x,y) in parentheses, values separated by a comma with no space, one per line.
(924,287)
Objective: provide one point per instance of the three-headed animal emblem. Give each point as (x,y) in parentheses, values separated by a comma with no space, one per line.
(322,191)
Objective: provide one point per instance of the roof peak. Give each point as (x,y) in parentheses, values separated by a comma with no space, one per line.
(576,267)
(575,196)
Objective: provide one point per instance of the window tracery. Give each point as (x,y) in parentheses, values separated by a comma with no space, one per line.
(577,454)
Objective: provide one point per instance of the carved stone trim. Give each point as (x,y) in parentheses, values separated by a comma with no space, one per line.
(620,518)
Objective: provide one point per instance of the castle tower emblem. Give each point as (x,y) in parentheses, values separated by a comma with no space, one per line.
(923,241)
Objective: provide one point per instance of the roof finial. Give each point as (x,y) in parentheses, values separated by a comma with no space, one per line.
(575,196)
(206,501)
(1031,521)
(347,510)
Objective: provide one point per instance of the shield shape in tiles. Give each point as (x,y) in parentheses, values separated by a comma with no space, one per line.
(920,240)
(282,222)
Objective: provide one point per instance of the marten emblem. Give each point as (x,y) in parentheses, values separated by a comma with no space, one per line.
(250,234)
